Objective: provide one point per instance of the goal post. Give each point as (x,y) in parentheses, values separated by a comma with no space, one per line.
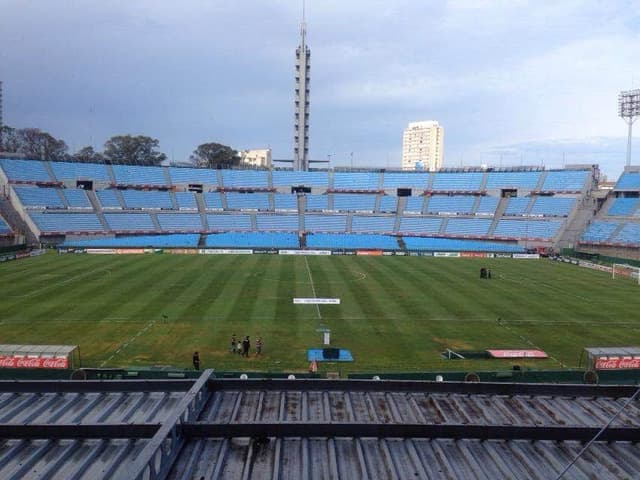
(622,270)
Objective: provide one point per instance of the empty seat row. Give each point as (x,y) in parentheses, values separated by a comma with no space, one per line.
(624,207)
(350,241)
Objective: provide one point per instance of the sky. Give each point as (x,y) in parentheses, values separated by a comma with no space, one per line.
(512,82)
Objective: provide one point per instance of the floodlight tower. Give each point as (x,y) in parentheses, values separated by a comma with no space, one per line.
(629,110)
(301,124)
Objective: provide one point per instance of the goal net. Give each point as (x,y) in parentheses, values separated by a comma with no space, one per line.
(621,270)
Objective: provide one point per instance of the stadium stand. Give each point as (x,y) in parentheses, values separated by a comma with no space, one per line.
(420,225)
(231,221)
(405,180)
(290,178)
(247,201)
(266,221)
(624,207)
(5,229)
(176,222)
(76,198)
(67,222)
(316,202)
(212,200)
(354,181)
(565,180)
(599,231)
(453,182)
(388,204)
(138,176)
(239,179)
(108,199)
(346,241)
(414,205)
(72,171)
(27,171)
(455,204)
(198,176)
(285,202)
(186,200)
(134,222)
(458,245)
(354,202)
(468,226)
(325,223)
(146,200)
(252,240)
(523,180)
(176,240)
(628,181)
(39,197)
(371,223)
(552,206)
(543,229)
(487,206)
(517,206)
(629,234)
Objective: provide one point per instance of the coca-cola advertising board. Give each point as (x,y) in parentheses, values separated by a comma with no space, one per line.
(607,363)
(14,361)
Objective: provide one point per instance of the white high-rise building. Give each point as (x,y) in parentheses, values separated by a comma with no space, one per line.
(422,146)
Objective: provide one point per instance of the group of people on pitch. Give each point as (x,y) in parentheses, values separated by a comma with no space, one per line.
(243,347)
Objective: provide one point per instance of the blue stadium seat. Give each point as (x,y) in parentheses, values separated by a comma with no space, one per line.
(316,202)
(186,201)
(525,180)
(38,197)
(77,198)
(565,180)
(325,223)
(461,204)
(354,202)
(267,221)
(598,231)
(388,204)
(147,200)
(5,229)
(418,180)
(629,234)
(72,171)
(420,225)
(468,226)
(176,240)
(187,222)
(289,178)
(244,179)
(553,206)
(287,202)
(67,222)
(628,181)
(414,205)
(487,206)
(136,175)
(247,201)
(108,199)
(212,200)
(188,175)
(624,207)
(467,181)
(457,245)
(517,205)
(543,229)
(135,222)
(25,170)
(252,240)
(348,241)
(356,180)
(372,223)
(231,221)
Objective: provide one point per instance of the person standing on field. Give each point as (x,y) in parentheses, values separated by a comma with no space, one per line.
(258,346)
(234,342)
(196,361)
(246,345)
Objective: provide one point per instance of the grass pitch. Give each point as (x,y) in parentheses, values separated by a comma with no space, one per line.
(396,313)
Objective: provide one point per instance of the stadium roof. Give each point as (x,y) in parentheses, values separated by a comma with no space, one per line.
(213,428)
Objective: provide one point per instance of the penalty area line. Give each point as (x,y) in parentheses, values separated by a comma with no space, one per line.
(122,346)
(313,288)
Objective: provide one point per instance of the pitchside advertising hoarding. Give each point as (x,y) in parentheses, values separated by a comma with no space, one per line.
(13,361)
(612,363)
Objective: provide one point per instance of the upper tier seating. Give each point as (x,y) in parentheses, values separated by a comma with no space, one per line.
(232,221)
(180,221)
(468,181)
(108,199)
(371,223)
(388,204)
(524,180)
(565,180)
(629,234)
(197,176)
(5,229)
(325,223)
(38,197)
(185,240)
(553,206)
(487,206)
(186,201)
(317,202)
(420,225)
(71,171)
(598,231)
(462,204)
(285,201)
(289,178)
(517,205)
(266,221)
(212,200)
(628,181)
(136,222)
(405,180)
(76,198)
(136,175)
(468,226)
(456,245)
(354,202)
(624,207)
(247,201)
(151,200)
(356,181)
(352,241)
(253,240)
(414,204)
(544,229)
(244,179)
(25,170)
(67,222)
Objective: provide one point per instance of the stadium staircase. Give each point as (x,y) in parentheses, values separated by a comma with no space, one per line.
(61,196)
(502,205)
(97,207)
(154,220)
(402,202)
(202,210)
(541,180)
(443,225)
(576,223)
(202,241)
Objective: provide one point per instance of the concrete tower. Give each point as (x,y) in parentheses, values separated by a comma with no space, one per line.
(301,116)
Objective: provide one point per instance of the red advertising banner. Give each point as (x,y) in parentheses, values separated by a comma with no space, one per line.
(517,353)
(473,254)
(12,361)
(604,363)
(373,253)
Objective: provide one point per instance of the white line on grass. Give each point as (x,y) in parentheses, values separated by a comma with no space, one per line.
(124,345)
(526,340)
(313,288)
(57,284)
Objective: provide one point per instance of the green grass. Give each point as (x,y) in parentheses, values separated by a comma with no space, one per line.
(397,313)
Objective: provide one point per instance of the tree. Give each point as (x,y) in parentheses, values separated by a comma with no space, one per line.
(138,150)
(87,155)
(215,155)
(33,143)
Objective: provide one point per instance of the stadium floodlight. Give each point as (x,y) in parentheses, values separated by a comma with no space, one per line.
(629,110)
